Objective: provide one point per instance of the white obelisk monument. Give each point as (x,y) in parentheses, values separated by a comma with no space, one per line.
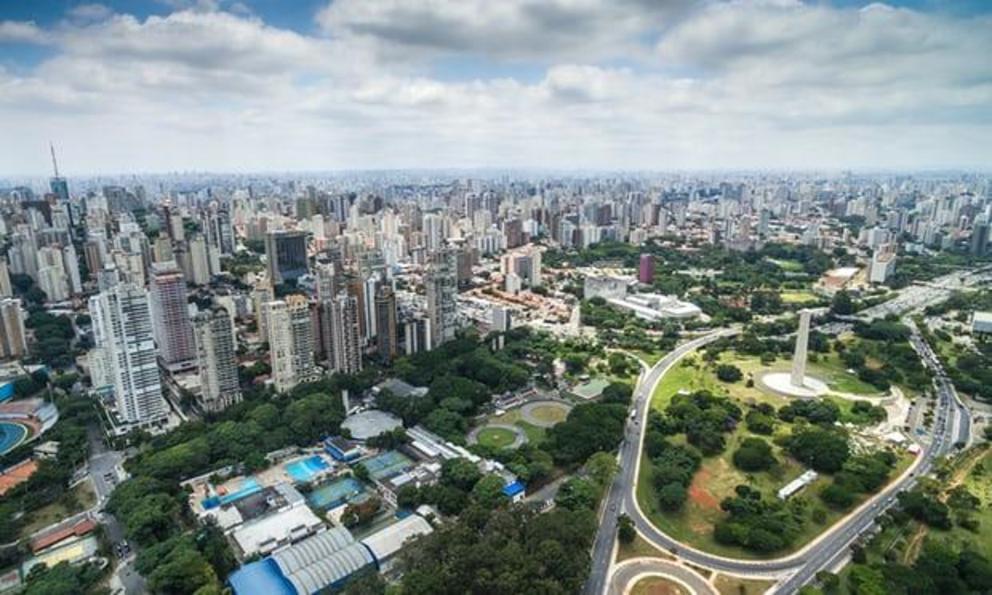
(799,357)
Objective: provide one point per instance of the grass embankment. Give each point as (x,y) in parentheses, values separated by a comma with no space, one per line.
(494,437)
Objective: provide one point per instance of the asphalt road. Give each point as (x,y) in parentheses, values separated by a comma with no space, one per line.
(952,424)
(623,484)
(627,572)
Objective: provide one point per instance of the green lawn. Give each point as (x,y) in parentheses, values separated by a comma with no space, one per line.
(496,437)
(799,297)
(535,435)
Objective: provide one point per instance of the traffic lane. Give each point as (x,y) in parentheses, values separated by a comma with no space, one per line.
(628,573)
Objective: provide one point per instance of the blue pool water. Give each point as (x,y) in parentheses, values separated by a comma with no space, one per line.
(11,435)
(248,487)
(303,470)
(336,493)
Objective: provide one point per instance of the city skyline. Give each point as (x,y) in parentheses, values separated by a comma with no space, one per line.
(259,86)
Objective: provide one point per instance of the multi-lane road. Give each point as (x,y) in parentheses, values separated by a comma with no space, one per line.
(952,425)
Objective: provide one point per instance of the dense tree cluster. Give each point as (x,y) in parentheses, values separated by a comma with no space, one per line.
(925,508)
(728,373)
(754,454)
(589,428)
(757,523)
(704,418)
(860,474)
(672,465)
(939,569)
(502,550)
(824,449)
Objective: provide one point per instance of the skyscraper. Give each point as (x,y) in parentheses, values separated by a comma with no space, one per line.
(385,315)
(346,335)
(291,342)
(980,238)
(122,328)
(286,252)
(214,338)
(13,342)
(199,259)
(645,273)
(5,288)
(441,288)
(170,314)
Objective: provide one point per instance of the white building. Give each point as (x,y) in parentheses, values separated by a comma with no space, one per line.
(793,487)
(13,343)
(122,328)
(291,342)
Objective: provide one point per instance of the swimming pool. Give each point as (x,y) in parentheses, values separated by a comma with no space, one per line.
(11,436)
(303,470)
(248,487)
(336,493)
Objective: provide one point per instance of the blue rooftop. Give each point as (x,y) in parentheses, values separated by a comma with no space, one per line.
(512,489)
(260,578)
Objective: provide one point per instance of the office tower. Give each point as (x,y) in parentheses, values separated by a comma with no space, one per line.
(645,273)
(501,320)
(5,288)
(441,288)
(13,341)
(286,252)
(883,264)
(71,264)
(213,335)
(170,313)
(261,295)
(327,281)
(346,338)
(217,223)
(433,225)
(980,239)
(162,249)
(95,254)
(122,329)
(513,230)
(385,316)
(199,260)
(291,342)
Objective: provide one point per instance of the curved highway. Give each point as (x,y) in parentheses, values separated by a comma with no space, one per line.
(626,574)
(823,552)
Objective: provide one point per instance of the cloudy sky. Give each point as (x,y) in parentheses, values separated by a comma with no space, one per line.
(277,85)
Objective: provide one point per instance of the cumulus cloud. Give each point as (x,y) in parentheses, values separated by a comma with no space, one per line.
(21,32)
(621,83)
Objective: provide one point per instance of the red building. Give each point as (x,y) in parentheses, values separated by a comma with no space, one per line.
(646,272)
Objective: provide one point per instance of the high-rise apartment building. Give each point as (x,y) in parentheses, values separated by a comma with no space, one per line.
(214,338)
(199,260)
(6,290)
(286,252)
(122,328)
(13,341)
(645,272)
(441,288)
(170,314)
(386,329)
(291,342)
(346,338)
